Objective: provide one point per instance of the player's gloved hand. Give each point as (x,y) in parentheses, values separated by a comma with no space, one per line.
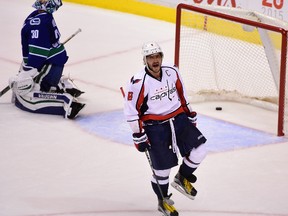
(193,118)
(141,142)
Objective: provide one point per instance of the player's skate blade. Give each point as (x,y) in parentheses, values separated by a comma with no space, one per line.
(181,190)
(167,209)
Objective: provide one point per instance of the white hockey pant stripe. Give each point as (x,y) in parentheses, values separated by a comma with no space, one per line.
(163,176)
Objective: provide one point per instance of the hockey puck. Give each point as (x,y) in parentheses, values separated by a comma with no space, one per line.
(218,108)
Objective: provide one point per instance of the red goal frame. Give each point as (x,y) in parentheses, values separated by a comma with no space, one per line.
(283,32)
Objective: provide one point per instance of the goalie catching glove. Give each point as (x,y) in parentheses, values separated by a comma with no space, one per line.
(23,83)
(141,142)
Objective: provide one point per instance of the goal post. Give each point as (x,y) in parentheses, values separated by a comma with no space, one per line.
(233,54)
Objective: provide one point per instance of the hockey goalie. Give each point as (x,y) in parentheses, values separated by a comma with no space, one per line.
(40,87)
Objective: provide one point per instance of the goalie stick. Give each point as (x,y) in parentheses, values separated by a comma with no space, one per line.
(7,88)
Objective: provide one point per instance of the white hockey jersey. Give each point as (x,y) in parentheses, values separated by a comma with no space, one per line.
(148,98)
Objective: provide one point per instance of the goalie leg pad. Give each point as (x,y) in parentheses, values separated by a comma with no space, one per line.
(49,103)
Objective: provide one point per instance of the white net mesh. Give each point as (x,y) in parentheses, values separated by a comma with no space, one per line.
(221,59)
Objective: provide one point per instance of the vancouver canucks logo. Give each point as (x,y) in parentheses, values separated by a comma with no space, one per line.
(35,21)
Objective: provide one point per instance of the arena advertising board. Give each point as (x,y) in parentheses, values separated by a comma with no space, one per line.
(274,8)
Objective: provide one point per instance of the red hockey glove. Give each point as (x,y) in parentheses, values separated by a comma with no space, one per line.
(193,118)
(141,142)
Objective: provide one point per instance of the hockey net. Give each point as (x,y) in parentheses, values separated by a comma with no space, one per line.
(233,54)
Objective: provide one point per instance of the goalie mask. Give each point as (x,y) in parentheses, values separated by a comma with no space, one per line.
(49,6)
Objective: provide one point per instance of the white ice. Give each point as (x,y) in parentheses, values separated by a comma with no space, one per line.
(51,166)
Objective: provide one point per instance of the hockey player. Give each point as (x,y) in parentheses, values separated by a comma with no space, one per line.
(39,87)
(164,125)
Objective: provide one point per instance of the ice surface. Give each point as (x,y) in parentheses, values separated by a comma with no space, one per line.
(56,167)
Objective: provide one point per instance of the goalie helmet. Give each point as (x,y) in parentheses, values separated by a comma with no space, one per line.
(49,6)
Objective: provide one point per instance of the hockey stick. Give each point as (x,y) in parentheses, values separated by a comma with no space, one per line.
(165,200)
(148,157)
(153,171)
(158,184)
(73,35)
(7,88)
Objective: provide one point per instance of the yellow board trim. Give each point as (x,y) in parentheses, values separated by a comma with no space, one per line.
(168,14)
(134,7)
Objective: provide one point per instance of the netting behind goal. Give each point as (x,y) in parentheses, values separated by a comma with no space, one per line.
(233,54)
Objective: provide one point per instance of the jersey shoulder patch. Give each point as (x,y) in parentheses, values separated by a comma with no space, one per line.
(138,77)
(134,81)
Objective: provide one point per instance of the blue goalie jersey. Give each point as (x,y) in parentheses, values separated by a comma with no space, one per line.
(40,41)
